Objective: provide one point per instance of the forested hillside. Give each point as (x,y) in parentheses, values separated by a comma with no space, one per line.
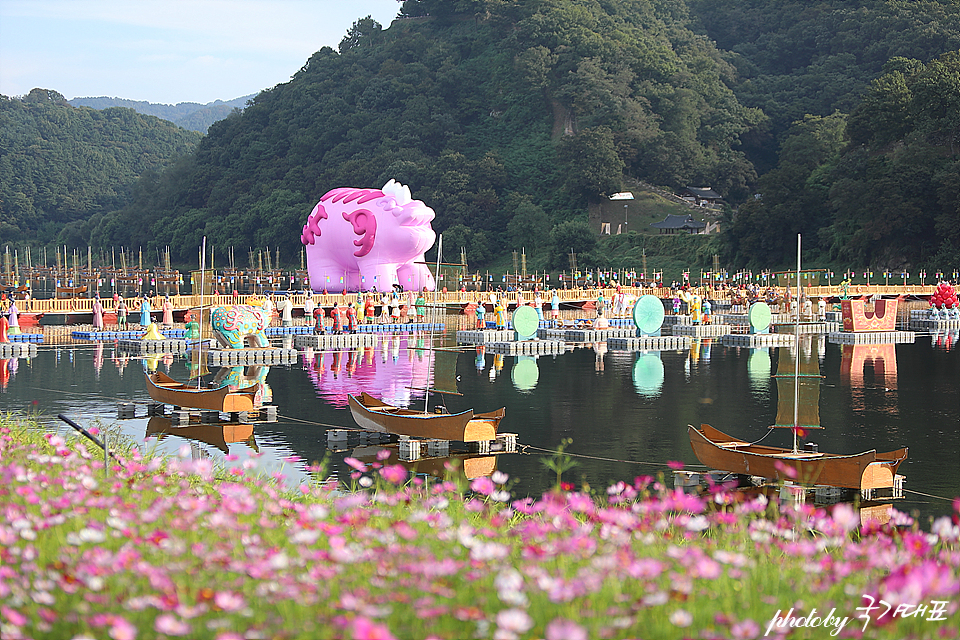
(189,115)
(61,167)
(797,58)
(879,187)
(532,108)
(834,119)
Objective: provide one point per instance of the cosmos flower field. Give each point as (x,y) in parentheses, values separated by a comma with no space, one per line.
(170,547)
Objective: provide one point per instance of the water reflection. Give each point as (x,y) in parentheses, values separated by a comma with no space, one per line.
(946,340)
(525,373)
(465,465)
(643,415)
(869,365)
(871,370)
(8,371)
(219,435)
(600,349)
(393,379)
(648,374)
(759,368)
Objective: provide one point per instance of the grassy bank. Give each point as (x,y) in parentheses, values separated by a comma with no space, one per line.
(173,547)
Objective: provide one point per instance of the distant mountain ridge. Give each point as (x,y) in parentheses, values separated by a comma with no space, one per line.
(189,115)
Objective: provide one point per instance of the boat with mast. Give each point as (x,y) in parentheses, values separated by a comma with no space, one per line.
(862,471)
(165,389)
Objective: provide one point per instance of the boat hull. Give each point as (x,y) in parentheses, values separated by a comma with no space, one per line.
(164,389)
(867,470)
(373,415)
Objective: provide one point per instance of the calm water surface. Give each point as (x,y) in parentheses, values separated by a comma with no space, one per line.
(627,413)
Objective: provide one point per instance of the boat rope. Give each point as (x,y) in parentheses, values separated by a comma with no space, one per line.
(321,424)
(928,495)
(524,448)
(769,431)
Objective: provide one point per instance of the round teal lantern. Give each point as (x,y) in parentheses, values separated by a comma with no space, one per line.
(525,322)
(760,317)
(648,314)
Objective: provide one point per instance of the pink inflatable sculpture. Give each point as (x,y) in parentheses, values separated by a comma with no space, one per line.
(369,239)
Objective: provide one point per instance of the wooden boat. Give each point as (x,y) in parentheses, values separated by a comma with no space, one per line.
(163,388)
(374,415)
(798,408)
(63,292)
(867,470)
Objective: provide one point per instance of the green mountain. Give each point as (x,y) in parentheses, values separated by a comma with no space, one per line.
(487,110)
(189,115)
(62,168)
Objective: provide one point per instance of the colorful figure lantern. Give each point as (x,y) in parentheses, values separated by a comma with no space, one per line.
(235,326)
(369,239)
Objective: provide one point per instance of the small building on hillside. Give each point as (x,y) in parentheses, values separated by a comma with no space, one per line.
(679,224)
(701,196)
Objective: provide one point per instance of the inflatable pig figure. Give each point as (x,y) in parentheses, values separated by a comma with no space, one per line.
(366,239)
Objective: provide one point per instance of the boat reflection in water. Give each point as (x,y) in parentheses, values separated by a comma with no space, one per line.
(466,465)
(219,435)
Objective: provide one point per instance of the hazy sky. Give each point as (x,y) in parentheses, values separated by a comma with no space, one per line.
(168,51)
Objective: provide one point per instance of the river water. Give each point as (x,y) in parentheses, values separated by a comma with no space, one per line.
(625,412)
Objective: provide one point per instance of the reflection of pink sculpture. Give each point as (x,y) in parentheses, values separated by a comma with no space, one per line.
(366,239)
(387,378)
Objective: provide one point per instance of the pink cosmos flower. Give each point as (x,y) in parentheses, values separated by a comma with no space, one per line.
(786,470)
(676,465)
(365,629)
(383,454)
(746,630)
(13,616)
(121,629)
(563,629)
(170,625)
(483,485)
(228,601)
(681,618)
(404,530)
(356,464)
(846,517)
(515,621)
(394,473)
